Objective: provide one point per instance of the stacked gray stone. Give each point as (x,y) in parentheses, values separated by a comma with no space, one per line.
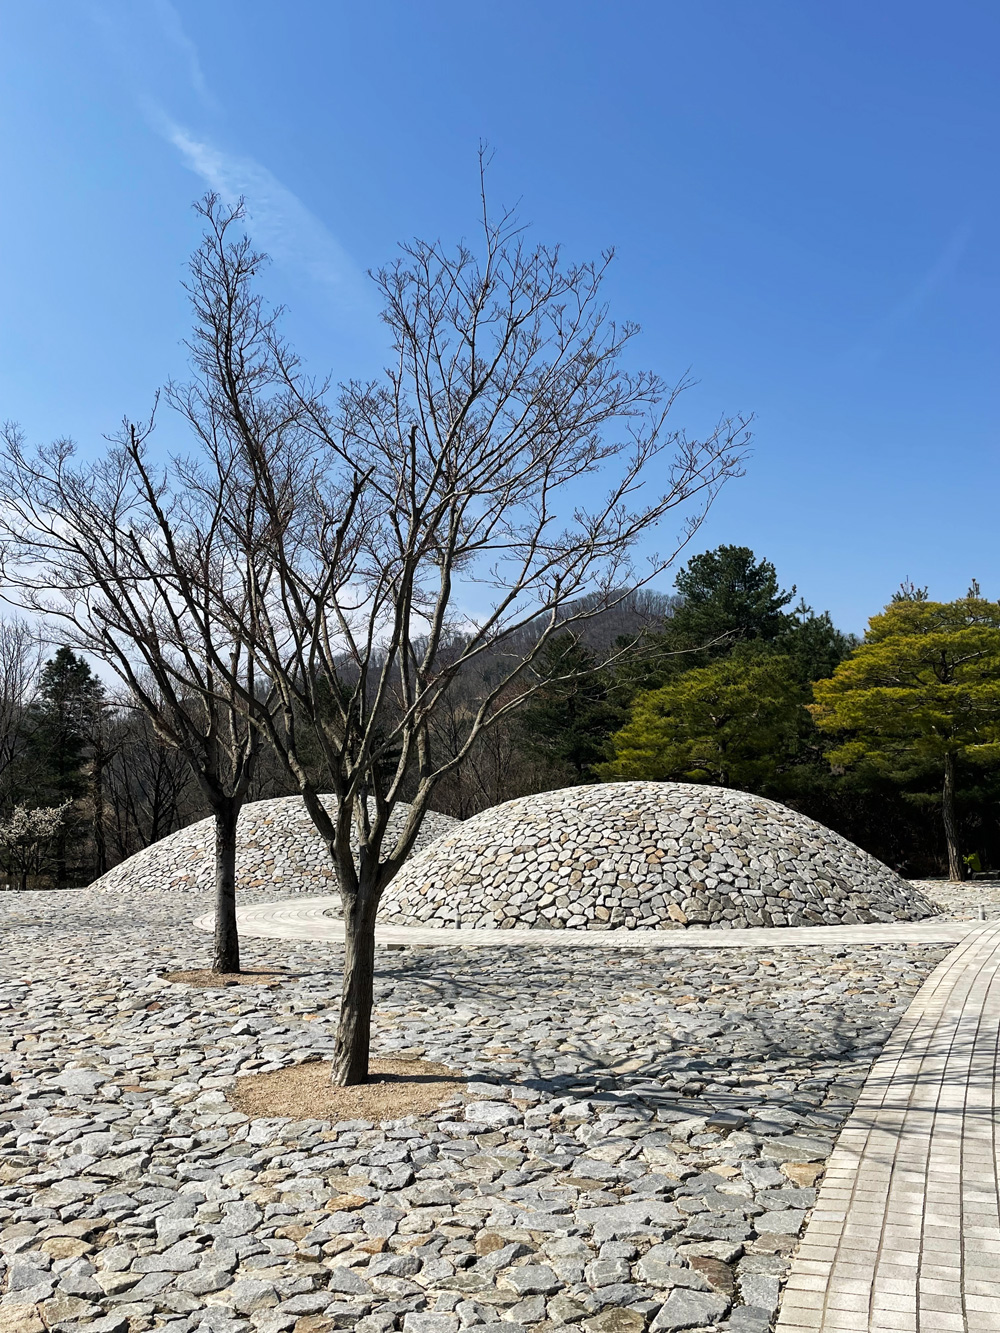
(277,847)
(646,855)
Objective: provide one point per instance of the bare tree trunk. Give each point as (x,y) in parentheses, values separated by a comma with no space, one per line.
(956,870)
(226,957)
(62,873)
(100,836)
(350,1058)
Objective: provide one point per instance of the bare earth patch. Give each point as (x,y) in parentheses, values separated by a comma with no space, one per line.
(216,980)
(397,1088)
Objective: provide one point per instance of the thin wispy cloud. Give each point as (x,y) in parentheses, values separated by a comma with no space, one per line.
(279,221)
(872,346)
(173,29)
(281,224)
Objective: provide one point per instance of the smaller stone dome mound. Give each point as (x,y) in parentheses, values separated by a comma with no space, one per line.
(277,847)
(650,856)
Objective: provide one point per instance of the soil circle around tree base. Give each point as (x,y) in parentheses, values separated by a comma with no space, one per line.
(396,1088)
(209,980)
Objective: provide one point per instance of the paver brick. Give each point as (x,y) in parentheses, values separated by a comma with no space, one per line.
(907,1218)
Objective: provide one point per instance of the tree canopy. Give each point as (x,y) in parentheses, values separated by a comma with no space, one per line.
(569,718)
(921,691)
(728,596)
(736,723)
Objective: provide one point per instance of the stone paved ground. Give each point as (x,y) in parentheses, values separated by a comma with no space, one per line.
(637,1149)
(965,900)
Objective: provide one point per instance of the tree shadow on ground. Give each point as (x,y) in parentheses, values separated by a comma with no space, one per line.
(680,1074)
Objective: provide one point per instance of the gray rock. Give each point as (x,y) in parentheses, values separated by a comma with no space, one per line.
(747,1319)
(23,1296)
(239,1220)
(348,1282)
(689,1309)
(530,1310)
(307,1302)
(763,1177)
(493,1113)
(616,1321)
(760,1290)
(248,1294)
(203,1281)
(78,1280)
(109,1323)
(179,1258)
(415,1322)
(631,1219)
(658,1263)
(796,1148)
(530,1279)
(80,1082)
(24,1275)
(787,1222)
(150,1285)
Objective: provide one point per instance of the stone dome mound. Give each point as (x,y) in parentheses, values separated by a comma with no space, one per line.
(277,847)
(647,856)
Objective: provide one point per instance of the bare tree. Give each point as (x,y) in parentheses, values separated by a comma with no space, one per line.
(121,552)
(20,661)
(149,789)
(500,476)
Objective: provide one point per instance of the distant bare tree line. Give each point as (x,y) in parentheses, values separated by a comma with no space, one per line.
(134,788)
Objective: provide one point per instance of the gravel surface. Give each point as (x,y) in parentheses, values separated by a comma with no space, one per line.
(636,1147)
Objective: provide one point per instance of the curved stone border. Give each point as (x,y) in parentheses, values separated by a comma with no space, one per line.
(906,1230)
(311,919)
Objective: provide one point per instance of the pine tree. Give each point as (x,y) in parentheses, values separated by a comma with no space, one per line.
(570,719)
(738,722)
(921,691)
(64,720)
(729,597)
(813,643)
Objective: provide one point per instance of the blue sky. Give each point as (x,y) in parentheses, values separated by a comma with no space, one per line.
(803,199)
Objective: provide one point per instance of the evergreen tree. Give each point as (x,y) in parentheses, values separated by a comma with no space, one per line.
(922,692)
(570,719)
(813,643)
(725,597)
(729,597)
(738,722)
(64,721)
(909,592)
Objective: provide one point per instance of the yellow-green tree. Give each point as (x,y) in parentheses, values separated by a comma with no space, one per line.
(923,689)
(735,723)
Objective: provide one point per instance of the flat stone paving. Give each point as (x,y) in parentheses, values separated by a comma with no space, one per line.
(635,1148)
(906,1231)
(311,919)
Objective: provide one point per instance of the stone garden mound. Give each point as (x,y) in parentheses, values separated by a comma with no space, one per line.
(277,847)
(648,856)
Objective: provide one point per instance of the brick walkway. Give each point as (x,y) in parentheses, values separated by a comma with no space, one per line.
(306,918)
(906,1231)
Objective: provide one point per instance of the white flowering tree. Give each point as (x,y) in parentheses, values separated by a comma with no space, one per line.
(27,840)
